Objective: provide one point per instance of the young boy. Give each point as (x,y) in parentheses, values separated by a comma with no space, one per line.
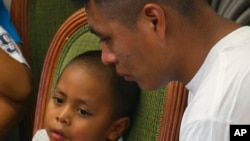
(90,102)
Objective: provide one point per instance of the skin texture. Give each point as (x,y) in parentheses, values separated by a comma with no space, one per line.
(166,44)
(81,108)
(15,92)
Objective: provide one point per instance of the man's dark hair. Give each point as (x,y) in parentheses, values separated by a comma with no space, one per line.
(127,11)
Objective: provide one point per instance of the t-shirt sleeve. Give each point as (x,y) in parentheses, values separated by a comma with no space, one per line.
(6,23)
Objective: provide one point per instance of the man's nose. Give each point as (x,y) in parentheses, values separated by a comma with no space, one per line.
(108,57)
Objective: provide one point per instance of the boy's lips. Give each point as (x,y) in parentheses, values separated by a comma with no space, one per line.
(58,135)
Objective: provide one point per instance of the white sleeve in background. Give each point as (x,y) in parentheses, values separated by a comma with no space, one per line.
(8,45)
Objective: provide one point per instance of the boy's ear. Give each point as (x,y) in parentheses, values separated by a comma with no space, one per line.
(118,127)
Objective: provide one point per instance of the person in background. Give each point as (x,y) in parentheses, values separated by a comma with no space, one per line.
(154,42)
(90,102)
(15,76)
(6,23)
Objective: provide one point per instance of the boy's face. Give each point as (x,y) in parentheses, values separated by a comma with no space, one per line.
(79,109)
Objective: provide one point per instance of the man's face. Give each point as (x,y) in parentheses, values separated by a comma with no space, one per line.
(137,53)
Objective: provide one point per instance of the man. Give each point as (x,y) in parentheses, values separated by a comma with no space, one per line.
(15,77)
(154,42)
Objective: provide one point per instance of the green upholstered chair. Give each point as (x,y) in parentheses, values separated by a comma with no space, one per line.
(155,120)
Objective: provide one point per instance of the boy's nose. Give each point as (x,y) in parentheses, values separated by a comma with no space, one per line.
(63,120)
(64,117)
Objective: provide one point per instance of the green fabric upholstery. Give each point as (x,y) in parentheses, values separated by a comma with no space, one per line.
(148,118)
(45,17)
(81,41)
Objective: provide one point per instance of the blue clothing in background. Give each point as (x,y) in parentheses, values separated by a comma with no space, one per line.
(7,24)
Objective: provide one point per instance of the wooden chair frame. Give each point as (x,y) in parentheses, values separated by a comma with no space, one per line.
(176,103)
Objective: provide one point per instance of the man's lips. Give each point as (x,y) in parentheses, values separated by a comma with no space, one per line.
(122,74)
(126,77)
(119,72)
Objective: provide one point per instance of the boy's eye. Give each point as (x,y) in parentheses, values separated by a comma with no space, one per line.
(83,112)
(57,100)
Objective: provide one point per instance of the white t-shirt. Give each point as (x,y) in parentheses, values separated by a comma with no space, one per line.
(219,93)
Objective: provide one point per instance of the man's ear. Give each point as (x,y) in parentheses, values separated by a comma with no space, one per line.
(118,127)
(155,14)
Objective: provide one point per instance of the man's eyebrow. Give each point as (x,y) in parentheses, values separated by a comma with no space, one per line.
(92,30)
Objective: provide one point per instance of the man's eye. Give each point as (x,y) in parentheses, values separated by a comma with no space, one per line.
(57,100)
(104,40)
(83,112)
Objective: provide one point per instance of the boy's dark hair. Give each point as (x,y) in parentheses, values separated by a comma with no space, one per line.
(125,94)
